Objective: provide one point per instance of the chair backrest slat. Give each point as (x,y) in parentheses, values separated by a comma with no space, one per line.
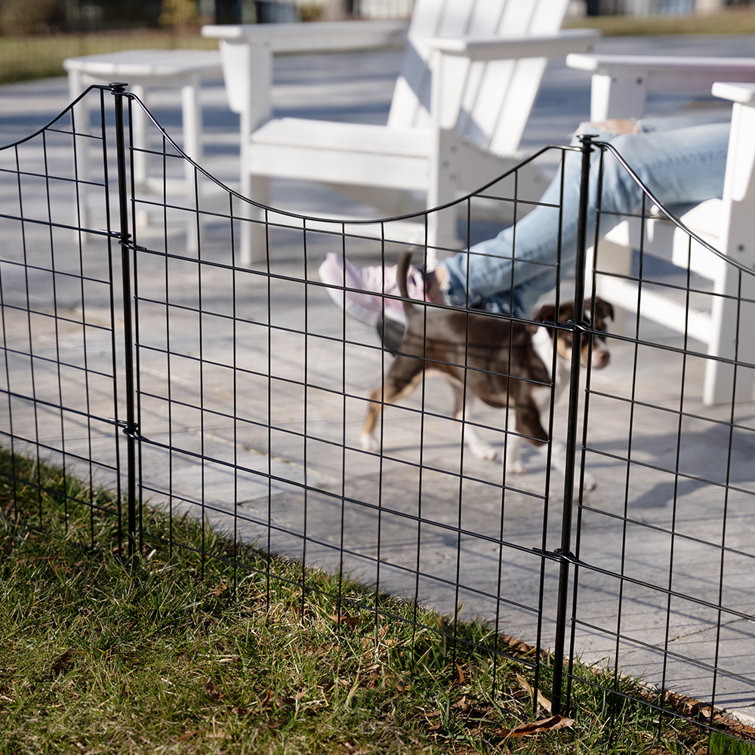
(495,98)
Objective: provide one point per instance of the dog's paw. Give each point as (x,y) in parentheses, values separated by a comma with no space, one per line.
(589,482)
(490,454)
(483,451)
(515,467)
(369,443)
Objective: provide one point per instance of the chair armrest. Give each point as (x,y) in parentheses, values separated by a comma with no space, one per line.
(247,52)
(620,83)
(508,48)
(313,37)
(744,94)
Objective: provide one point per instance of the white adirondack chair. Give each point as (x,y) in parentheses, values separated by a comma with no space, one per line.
(469,77)
(619,88)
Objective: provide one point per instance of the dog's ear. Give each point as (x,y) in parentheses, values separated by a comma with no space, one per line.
(546,313)
(566,311)
(600,308)
(603,308)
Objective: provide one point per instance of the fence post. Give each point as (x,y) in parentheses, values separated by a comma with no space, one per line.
(131,427)
(564,551)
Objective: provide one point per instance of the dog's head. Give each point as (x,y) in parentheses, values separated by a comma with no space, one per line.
(595,315)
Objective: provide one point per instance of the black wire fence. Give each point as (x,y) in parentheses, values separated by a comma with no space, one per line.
(143,353)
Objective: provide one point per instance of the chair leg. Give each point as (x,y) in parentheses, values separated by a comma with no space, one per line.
(612,259)
(83,123)
(731,337)
(254,228)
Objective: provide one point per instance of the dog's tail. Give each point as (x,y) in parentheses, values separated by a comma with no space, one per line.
(402,270)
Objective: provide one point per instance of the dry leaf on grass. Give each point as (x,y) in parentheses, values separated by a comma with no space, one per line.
(62,663)
(460,678)
(554,723)
(189,734)
(349,621)
(212,690)
(542,701)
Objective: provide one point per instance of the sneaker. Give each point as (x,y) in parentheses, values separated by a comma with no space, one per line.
(364,292)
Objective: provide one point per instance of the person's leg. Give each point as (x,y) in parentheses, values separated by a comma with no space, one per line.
(511,271)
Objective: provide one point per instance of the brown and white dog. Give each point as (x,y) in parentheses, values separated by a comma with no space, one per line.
(503,363)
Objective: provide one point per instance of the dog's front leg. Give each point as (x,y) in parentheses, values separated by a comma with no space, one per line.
(558,461)
(513,447)
(514,463)
(463,412)
(526,419)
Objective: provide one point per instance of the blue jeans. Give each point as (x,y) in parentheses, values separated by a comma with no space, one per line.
(509,273)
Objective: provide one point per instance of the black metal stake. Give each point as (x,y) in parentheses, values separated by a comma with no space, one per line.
(571,431)
(131,428)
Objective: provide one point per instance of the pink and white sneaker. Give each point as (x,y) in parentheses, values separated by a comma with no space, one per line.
(365,292)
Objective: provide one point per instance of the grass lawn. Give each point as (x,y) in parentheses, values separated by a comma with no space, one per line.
(183,652)
(731,21)
(24,58)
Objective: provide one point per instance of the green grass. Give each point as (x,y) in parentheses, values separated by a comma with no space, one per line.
(721,745)
(25,58)
(182,652)
(730,21)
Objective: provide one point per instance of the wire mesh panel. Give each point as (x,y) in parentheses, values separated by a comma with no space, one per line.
(254,402)
(59,328)
(662,591)
(253,390)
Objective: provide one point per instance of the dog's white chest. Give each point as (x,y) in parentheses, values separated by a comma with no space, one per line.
(542,343)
